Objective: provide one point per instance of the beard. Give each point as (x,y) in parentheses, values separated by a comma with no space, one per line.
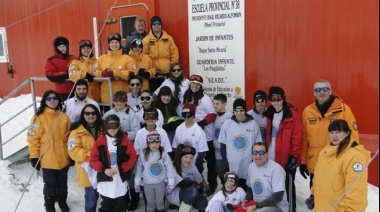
(80,96)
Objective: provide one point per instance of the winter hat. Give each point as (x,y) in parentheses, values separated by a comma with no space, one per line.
(150,113)
(196,79)
(189,106)
(240,103)
(84,43)
(61,41)
(153,136)
(276,90)
(136,42)
(231,175)
(114,36)
(188,150)
(154,20)
(259,94)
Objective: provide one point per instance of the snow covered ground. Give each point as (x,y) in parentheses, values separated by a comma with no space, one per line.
(13,180)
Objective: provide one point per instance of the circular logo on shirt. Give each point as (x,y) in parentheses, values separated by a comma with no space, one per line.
(216,132)
(274,132)
(113,159)
(240,142)
(155,169)
(187,143)
(258,187)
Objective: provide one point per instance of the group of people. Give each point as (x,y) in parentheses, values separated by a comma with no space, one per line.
(160,132)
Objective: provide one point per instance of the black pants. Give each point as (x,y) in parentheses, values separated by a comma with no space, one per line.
(211,164)
(291,189)
(55,181)
(113,205)
(155,83)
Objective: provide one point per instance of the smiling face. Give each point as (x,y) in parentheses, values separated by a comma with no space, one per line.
(81,92)
(52,101)
(90,116)
(114,45)
(230,185)
(112,127)
(146,103)
(140,27)
(165,98)
(135,86)
(186,160)
(322,96)
(86,50)
(258,159)
(176,71)
(195,87)
(239,113)
(153,146)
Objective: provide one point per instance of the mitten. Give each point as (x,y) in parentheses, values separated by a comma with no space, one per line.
(292,163)
(72,162)
(35,163)
(170,186)
(304,171)
(143,73)
(310,202)
(89,77)
(202,124)
(131,74)
(107,73)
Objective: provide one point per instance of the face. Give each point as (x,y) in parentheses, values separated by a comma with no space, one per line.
(153,146)
(337,136)
(137,49)
(156,28)
(177,72)
(86,50)
(146,104)
(239,113)
(112,131)
(195,87)
(258,159)
(186,160)
(322,96)
(165,98)
(219,105)
(140,27)
(52,101)
(62,48)
(188,120)
(260,104)
(120,103)
(277,101)
(81,92)
(135,86)
(90,116)
(230,185)
(114,45)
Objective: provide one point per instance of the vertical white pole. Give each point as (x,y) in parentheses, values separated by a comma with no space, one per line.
(95,26)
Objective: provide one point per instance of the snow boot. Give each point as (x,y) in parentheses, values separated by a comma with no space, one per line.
(184,207)
(62,202)
(49,204)
(135,198)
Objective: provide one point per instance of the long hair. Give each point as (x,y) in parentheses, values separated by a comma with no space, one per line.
(43,102)
(177,163)
(120,134)
(176,80)
(170,109)
(99,124)
(341,125)
(147,152)
(191,97)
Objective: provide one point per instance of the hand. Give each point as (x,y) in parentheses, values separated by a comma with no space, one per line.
(107,73)
(310,202)
(111,172)
(292,163)
(34,163)
(304,171)
(72,162)
(89,77)
(202,124)
(169,188)
(137,188)
(143,73)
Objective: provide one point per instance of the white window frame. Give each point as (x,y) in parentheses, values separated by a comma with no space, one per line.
(4,50)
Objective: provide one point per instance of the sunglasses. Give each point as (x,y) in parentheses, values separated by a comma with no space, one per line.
(239,109)
(87,113)
(156,23)
(145,98)
(176,70)
(112,126)
(113,35)
(276,98)
(137,46)
(324,89)
(187,114)
(85,43)
(153,138)
(135,84)
(119,99)
(261,152)
(51,98)
(258,101)
(150,116)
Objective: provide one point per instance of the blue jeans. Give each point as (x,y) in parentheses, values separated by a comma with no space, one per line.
(191,196)
(91,199)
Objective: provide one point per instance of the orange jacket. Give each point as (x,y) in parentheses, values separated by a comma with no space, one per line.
(315,129)
(79,68)
(163,51)
(142,61)
(51,146)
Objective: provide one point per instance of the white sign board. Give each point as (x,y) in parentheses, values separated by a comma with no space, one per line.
(217,46)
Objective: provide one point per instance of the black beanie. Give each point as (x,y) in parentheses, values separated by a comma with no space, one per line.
(114,36)
(276,90)
(240,102)
(84,43)
(136,42)
(154,19)
(259,94)
(59,41)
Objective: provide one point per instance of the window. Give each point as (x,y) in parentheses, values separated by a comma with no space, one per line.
(3,46)
(127,25)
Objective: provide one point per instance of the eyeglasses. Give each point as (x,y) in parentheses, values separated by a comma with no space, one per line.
(150,116)
(85,43)
(135,84)
(112,126)
(187,114)
(152,138)
(145,98)
(258,101)
(324,89)
(276,98)
(176,70)
(87,113)
(239,109)
(261,152)
(51,98)
(137,46)
(113,35)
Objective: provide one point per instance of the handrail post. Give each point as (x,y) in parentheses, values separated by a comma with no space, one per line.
(32,88)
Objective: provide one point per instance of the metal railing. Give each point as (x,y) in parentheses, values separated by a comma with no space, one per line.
(31,81)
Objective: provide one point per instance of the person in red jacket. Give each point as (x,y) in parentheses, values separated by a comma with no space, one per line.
(284,138)
(57,68)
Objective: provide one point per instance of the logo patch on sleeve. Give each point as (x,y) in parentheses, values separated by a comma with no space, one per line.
(355,126)
(70,144)
(357,167)
(31,132)
(312,121)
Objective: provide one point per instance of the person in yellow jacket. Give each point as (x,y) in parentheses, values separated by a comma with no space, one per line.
(84,68)
(142,63)
(115,65)
(315,120)
(83,135)
(47,144)
(341,174)
(160,46)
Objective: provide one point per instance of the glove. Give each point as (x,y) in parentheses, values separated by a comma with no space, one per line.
(107,73)
(229,206)
(310,202)
(304,171)
(292,163)
(202,124)
(170,186)
(34,163)
(89,77)
(143,73)
(137,186)
(131,74)
(72,162)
